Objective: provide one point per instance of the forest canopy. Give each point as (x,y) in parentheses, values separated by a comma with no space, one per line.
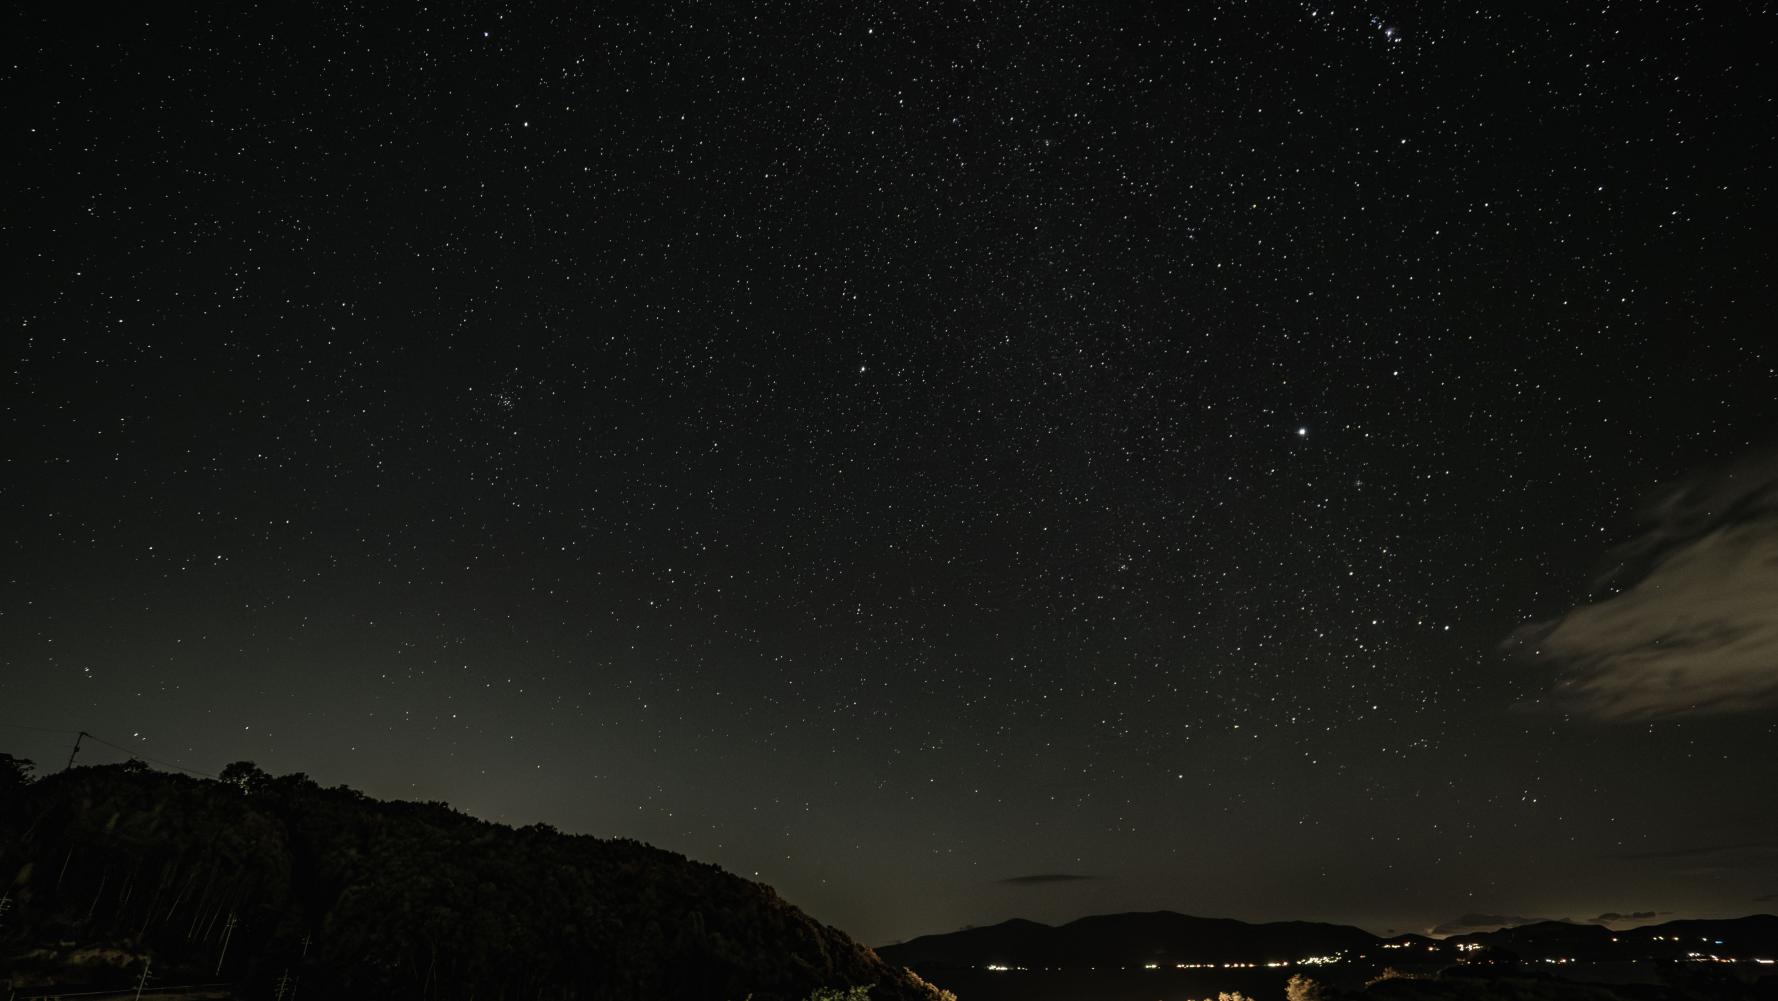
(253,878)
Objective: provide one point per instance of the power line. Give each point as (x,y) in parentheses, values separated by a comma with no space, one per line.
(132,752)
(137,754)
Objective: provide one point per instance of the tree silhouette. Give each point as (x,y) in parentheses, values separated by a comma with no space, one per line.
(357,898)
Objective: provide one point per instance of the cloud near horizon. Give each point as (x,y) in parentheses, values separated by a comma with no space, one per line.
(1685,620)
(1708,860)
(1486,922)
(1042,878)
(1611,916)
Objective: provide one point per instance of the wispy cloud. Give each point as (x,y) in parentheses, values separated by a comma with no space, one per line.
(1041,878)
(1610,917)
(1485,922)
(1709,860)
(1685,618)
(1693,852)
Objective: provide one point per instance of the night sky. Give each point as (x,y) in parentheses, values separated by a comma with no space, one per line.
(949,462)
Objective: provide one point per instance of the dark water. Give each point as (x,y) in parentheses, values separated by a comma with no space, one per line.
(1128,985)
(1261,985)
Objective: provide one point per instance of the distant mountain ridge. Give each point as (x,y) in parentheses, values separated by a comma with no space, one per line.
(1756,934)
(1134,939)
(1168,938)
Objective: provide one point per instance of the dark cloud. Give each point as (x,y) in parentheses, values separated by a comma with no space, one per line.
(1682,621)
(1764,899)
(1486,922)
(1048,877)
(1689,852)
(1611,916)
(1704,860)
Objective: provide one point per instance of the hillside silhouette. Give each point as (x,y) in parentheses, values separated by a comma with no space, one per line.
(1756,934)
(254,879)
(1136,939)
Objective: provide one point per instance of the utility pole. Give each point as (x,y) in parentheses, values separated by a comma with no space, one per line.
(286,987)
(305,945)
(228,932)
(77,739)
(146,963)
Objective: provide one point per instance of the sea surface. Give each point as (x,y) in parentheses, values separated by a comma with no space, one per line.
(1261,985)
(1130,985)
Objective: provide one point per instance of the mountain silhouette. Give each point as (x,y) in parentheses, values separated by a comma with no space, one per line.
(1166,938)
(256,879)
(1754,935)
(1135,939)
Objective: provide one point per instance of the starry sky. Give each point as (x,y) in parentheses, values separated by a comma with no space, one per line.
(949,462)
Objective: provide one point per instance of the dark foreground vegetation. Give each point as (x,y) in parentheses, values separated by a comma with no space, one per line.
(1665,981)
(279,886)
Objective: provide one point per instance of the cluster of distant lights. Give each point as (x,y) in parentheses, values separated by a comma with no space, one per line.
(1276,964)
(1273,965)
(1696,957)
